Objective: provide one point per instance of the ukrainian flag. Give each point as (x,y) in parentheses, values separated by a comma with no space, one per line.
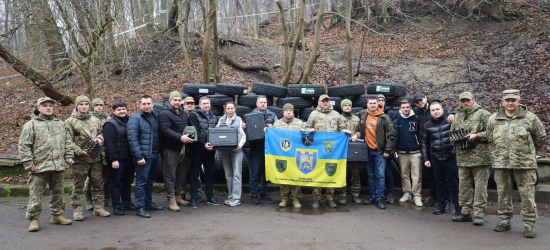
(321,164)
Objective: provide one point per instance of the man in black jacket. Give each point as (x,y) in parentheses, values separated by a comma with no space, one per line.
(388,175)
(119,159)
(203,152)
(439,154)
(423,113)
(173,120)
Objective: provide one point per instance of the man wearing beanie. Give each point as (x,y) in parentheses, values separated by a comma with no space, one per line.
(353,125)
(289,122)
(173,120)
(80,126)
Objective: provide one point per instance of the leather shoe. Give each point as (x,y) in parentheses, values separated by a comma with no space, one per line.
(118,211)
(142,213)
(369,201)
(265,197)
(154,207)
(132,207)
(380,204)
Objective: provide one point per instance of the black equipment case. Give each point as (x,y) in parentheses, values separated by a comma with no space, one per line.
(224,137)
(255,124)
(358,151)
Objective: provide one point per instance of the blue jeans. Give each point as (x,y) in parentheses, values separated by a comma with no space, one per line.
(257,173)
(202,158)
(446,178)
(376,167)
(145,177)
(121,183)
(388,176)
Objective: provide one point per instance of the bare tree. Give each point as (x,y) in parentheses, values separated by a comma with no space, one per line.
(288,73)
(349,39)
(317,34)
(285,32)
(206,47)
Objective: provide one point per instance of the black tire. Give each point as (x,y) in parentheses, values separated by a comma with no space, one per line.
(298,102)
(335,102)
(305,90)
(271,89)
(158,106)
(231,89)
(346,90)
(395,168)
(219,99)
(217,110)
(388,89)
(362,100)
(242,110)
(355,110)
(196,98)
(250,100)
(199,89)
(304,113)
(278,111)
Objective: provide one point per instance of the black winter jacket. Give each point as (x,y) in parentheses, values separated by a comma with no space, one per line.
(436,143)
(172,125)
(202,124)
(116,140)
(425,115)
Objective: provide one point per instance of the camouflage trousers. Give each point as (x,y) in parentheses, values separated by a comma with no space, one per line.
(472,189)
(37,184)
(291,191)
(106,175)
(355,180)
(94,172)
(317,193)
(525,180)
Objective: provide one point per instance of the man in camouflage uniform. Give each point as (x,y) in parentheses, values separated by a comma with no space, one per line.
(324,118)
(473,163)
(99,113)
(515,135)
(353,124)
(44,152)
(289,122)
(80,126)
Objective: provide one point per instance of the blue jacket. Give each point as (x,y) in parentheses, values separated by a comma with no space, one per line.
(406,131)
(140,135)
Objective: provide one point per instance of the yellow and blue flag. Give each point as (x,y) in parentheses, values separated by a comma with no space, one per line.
(316,160)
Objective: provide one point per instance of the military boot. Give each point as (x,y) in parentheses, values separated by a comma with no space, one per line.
(171,204)
(343,200)
(356,200)
(99,211)
(331,204)
(296,203)
(283,202)
(503,226)
(462,218)
(478,221)
(89,202)
(315,204)
(60,220)
(77,214)
(181,202)
(529,232)
(34,226)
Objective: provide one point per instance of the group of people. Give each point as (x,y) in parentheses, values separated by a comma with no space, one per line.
(418,137)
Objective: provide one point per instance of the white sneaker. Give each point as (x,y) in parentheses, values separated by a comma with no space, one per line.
(234,203)
(406,197)
(418,201)
(227,202)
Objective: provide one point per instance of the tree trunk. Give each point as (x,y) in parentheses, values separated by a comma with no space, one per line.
(215,56)
(384,16)
(250,20)
(285,32)
(181,32)
(146,16)
(206,47)
(6,16)
(38,80)
(109,32)
(349,39)
(361,53)
(175,13)
(286,79)
(313,56)
(163,13)
(187,9)
(51,34)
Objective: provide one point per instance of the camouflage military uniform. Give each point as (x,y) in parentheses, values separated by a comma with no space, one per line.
(294,124)
(330,121)
(353,124)
(43,144)
(105,172)
(515,142)
(473,163)
(79,127)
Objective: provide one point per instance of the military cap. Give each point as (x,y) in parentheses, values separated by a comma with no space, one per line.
(466,95)
(44,99)
(323,97)
(419,97)
(188,99)
(510,93)
(288,106)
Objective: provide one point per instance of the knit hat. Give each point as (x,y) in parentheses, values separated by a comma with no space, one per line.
(344,102)
(288,106)
(381,96)
(97,101)
(174,94)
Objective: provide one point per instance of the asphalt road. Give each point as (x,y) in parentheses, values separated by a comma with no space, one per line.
(265,226)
